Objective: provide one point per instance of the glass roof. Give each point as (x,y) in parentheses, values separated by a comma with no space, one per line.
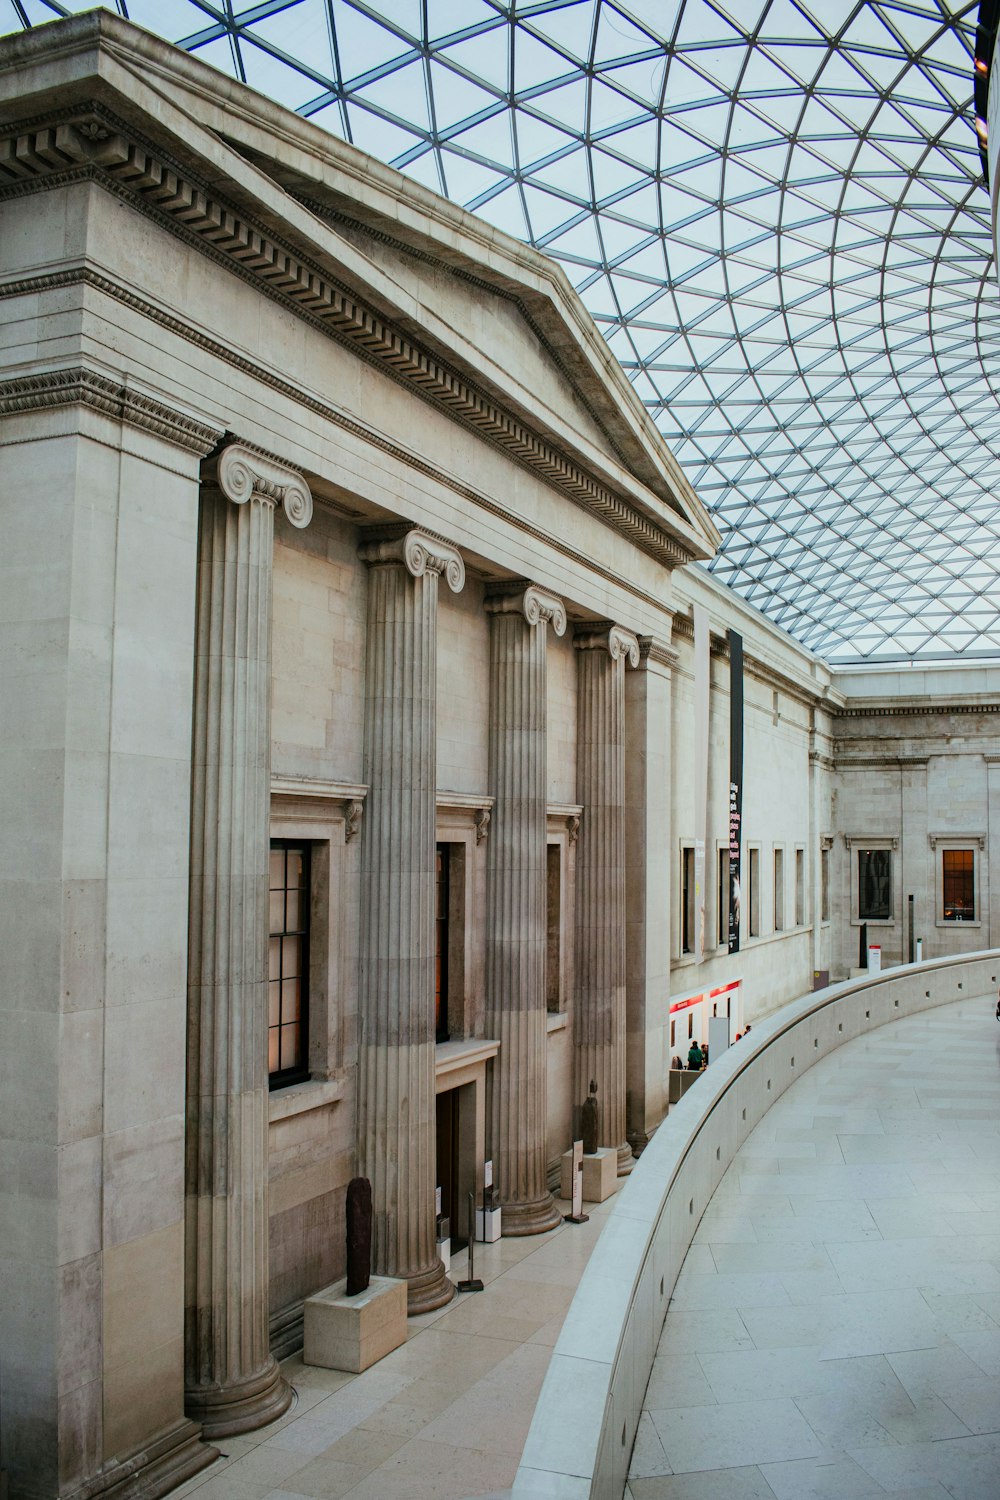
(773,209)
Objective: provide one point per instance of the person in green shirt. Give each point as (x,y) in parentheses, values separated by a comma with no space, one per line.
(694,1057)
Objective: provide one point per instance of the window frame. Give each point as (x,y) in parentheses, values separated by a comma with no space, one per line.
(943,844)
(299,1072)
(753,890)
(778,887)
(686,910)
(856,843)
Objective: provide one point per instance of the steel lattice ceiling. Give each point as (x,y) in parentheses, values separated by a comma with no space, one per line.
(773,209)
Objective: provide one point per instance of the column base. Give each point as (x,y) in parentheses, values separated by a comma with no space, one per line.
(626,1161)
(638,1140)
(428,1290)
(242,1406)
(536,1217)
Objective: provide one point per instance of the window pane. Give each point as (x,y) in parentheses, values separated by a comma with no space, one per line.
(293,911)
(289,1046)
(289,1000)
(277,912)
(274,958)
(273,1003)
(277,867)
(296,869)
(273,1050)
(290,956)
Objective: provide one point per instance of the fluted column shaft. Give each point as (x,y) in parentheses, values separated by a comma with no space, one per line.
(599,1011)
(396,1094)
(232,1383)
(516,903)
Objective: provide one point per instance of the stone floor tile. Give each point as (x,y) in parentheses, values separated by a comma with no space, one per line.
(747,1483)
(690,1332)
(677,1380)
(822,1478)
(738,1434)
(977,1404)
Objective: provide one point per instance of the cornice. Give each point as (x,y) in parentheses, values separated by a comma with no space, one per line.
(90,143)
(756,667)
(880,762)
(85,276)
(80,387)
(871,840)
(927,706)
(962,839)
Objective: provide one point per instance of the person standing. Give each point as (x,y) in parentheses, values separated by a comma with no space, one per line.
(694,1058)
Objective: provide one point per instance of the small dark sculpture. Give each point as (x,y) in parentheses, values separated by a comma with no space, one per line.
(588,1121)
(359,1235)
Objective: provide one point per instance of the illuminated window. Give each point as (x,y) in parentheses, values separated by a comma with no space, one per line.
(288,964)
(958,882)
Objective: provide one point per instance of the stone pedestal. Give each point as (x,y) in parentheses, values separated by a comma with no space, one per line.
(396,1091)
(599,1011)
(232,1383)
(515,902)
(351,1333)
(600,1175)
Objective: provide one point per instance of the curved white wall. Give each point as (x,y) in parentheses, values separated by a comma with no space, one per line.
(581,1436)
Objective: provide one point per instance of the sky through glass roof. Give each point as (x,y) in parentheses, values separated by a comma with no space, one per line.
(773,210)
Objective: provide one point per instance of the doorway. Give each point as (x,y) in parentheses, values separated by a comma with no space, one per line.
(456,1172)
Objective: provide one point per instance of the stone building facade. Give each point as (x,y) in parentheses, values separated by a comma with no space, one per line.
(349,748)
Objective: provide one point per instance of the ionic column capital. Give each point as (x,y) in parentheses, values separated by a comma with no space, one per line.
(243,473)
(419,552)
(604,635)
(537,605)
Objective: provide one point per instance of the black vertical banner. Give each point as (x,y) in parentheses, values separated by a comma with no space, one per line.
(735,784)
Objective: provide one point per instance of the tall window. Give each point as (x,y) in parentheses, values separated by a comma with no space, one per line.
(875,885)
(687,900)
(441,937)
(800,887)
(824,884)
(553,924)
(288,964)
(753,876)
(722,902)
(779,890)
(958,885)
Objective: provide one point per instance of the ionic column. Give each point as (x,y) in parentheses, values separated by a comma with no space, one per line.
(396,1101)
(232,1383)
(599,1011)
(515,902)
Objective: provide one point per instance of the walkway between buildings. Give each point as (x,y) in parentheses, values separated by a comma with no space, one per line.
(835,1330)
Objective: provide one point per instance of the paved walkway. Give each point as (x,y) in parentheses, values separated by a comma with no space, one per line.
(441,1418)
(835,1330)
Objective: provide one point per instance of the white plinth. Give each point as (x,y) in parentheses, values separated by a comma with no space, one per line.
(351,1333)
(488,1225)
(600,1175)
(444,1251)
